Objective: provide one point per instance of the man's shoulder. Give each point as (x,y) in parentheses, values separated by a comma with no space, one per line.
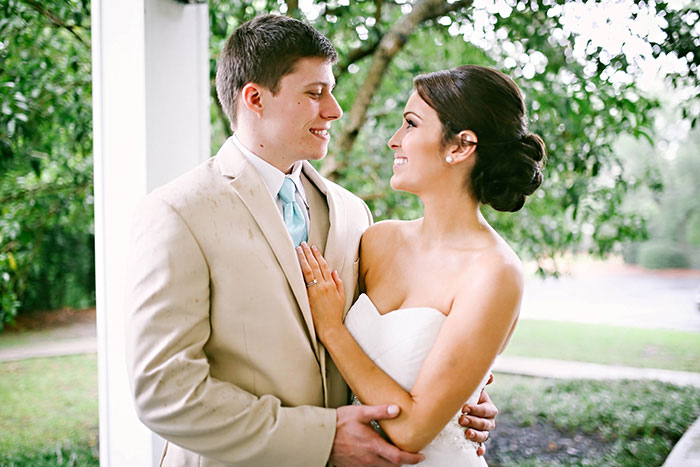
(342,192)
(352,205)
(197,184)
(200,177)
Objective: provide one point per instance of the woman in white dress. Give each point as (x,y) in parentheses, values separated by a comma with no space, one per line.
(441,293)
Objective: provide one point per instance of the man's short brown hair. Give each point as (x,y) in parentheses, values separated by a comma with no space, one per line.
(262,51)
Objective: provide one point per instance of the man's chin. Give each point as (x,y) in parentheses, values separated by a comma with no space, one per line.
(317,157)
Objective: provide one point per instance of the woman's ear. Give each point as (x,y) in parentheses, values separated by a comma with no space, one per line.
(463,147)
(251,97)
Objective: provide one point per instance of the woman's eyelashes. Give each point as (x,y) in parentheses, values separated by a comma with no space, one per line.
(410,123)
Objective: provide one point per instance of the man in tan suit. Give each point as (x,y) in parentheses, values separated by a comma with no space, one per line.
(222,353)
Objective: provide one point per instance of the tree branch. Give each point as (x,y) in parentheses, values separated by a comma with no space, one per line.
(389,45)
(355,55)
(378,11)
(292,5)
(56,20)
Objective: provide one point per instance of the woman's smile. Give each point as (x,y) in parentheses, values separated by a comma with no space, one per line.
(400,160)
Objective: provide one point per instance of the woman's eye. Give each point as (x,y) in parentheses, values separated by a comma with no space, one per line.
(410,124)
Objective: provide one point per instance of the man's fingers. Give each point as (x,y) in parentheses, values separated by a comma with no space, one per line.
(476,436)
(396,456)
(481,450)
(484,396)
(378,412)
(477,425)
(482,410)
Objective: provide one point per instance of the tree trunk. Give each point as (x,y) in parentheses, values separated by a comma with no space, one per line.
(292,8)
(391,43)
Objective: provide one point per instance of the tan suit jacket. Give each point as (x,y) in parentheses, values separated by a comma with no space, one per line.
(221,349)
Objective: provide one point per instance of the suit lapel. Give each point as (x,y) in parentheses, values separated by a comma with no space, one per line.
(318,213)
(251,189)
(335,251)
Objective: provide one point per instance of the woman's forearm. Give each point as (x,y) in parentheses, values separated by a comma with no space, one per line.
(409,431)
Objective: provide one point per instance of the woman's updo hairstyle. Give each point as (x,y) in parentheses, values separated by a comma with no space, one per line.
(509,160)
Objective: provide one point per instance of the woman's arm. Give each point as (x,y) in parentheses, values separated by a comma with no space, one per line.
(481,318)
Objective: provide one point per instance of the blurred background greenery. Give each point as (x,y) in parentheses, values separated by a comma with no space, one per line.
(617,179)
(611,86)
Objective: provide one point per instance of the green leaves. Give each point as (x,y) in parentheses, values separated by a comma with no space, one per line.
(581,98)
(45,156)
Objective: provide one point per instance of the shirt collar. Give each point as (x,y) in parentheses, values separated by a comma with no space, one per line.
(271,175)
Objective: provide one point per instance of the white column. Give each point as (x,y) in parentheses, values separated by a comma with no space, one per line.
(151,123)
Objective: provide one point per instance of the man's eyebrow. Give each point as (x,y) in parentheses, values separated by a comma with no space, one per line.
(406,114)
(324,84)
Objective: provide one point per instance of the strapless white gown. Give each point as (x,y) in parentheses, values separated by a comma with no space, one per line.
(398,342)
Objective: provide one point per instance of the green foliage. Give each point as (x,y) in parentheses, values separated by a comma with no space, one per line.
(674,213)
(681,39)
(662,255)
(637,422)
(692,231)
(46,252)
(574,94)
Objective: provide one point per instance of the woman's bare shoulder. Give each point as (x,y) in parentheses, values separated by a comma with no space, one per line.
(377,235)
(381,240)
(499,271)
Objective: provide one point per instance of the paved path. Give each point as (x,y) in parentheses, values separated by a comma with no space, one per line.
(69,339)
(616,294)
(56,348)
(540,367)
(560,369)
(686,452)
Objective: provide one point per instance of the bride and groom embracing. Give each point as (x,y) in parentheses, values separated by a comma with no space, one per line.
(240,345)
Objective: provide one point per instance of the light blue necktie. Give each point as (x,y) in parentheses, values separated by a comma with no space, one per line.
(291,213)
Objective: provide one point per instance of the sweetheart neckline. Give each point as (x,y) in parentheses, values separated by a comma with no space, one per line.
(411,308)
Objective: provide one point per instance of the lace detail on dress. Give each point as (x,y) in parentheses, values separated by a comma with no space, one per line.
(453,434)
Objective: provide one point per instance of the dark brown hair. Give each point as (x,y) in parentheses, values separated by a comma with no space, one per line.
(262,51)
(509,160)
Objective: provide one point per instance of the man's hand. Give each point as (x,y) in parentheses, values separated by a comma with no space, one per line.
(479,419)
(357,444)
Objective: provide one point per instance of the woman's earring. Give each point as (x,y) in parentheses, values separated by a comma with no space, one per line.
(449,159)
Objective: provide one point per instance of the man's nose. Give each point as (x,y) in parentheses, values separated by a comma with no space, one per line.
(332,110)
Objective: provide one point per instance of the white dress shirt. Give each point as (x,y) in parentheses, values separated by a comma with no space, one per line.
(274,178)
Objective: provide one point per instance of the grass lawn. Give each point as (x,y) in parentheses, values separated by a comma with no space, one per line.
(48,412)
(602,423)
(597,343)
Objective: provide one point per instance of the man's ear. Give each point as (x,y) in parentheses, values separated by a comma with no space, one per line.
(251,97)
(463,147)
